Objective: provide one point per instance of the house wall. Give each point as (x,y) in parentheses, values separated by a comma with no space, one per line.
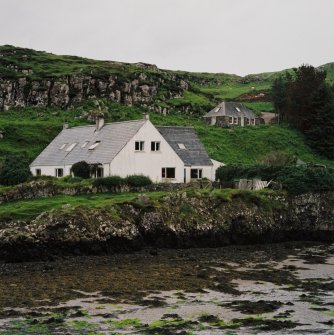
(224,121)
(147,162)
(51,170)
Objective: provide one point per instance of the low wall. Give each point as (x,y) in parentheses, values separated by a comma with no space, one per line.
(48,188)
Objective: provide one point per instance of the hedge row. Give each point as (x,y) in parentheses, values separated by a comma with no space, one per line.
(294,179)
(116,181)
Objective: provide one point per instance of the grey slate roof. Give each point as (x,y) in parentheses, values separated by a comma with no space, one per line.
(113,138)
(228,108)
(194,154)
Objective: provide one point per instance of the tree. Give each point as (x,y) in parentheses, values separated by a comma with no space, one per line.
(278,92)
(306,102)
(319,130)
(14,170)
(81,169)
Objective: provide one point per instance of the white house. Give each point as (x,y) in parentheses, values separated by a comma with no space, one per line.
(173,154)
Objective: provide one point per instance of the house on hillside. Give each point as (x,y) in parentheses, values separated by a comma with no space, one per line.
(165,154)
(230,114)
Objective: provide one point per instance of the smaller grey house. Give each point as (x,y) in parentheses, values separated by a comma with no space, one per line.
(230,114)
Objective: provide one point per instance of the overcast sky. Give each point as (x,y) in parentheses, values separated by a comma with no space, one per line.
(232,36)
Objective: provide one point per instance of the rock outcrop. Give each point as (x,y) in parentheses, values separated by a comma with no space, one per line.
(176,221)
(64,92)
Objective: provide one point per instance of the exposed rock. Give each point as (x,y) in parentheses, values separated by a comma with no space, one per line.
(177,220)
(66,91)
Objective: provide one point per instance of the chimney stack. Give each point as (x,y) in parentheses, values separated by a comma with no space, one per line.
(65,125)
(99,123)
(146,116)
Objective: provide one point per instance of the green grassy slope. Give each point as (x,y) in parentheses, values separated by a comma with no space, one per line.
(206,89)
(29,130)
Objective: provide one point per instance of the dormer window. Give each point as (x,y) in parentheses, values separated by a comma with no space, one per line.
(181,146)
(71,147)
(92,147)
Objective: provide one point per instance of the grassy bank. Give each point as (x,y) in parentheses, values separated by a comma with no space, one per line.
(28,131)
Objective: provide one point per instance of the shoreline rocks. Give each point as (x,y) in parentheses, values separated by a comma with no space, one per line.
(175,221)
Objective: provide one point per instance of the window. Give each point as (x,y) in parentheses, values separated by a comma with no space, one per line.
(253,122)
(168,173)
(238,109)
(155,146)
(38,172)
(59,173)
(139,146)
(84,144)
(92,147)
(230,120)
(71,147)
(235,120)
(248,121)
(181,146)
(196,173)
(99,172)
(63,146)
(217,109)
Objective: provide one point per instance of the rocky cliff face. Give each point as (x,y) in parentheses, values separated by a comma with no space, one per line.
(67,91)
(177,220)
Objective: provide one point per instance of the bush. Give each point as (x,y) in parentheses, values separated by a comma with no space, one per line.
(138,180)
(294,179)
(14,170)
(81,169)
(73,180)
(113,181)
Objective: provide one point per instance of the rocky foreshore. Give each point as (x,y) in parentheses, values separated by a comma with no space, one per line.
(178,220)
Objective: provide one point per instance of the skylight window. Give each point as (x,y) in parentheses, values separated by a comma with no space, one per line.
(71,147)
(181,146)
(84,144)
(217,110)
(63,146)
(92,147)
(238,109)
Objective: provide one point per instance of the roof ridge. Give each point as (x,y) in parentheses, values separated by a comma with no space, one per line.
(106,124)
(189,127)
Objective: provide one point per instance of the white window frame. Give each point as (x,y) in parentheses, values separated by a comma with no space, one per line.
(155,146)
(181,146)
(93,146)
(199,173)
(235,120)
(164,173)
(139,146)
(230,119)
(84,144)
(253,122)
(71,147)
(59,175)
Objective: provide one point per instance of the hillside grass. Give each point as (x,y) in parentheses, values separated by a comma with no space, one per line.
(28,131)
(31,208)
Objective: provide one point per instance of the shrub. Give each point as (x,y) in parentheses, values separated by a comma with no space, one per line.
(73,180)
(294,179)
(14,170)
(138,180)
(113,181)
(81,169)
